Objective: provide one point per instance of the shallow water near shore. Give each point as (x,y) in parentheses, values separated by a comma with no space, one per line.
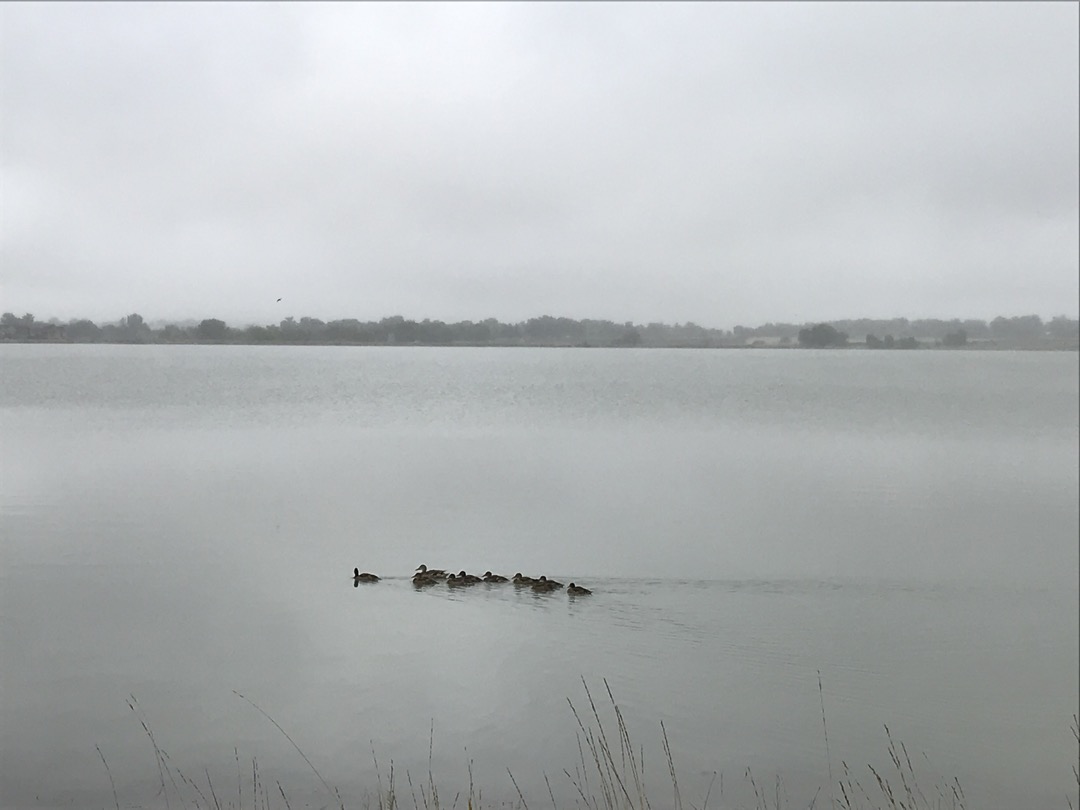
(181,523)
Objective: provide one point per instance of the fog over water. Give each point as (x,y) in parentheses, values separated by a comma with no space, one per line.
(181,522)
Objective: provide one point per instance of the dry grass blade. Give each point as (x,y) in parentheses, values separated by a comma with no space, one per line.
(109,772)
(550,792)
(583,772)
(671,770)
(605,749)
(708,793)
(412,791)
(520,796)
(885,787)
(387,799)
(430,774)
(779,786)
(281,790)
(1076,736)
(314,770)
(898,765)
(132,703)
(577,787)
(852,785)
(217,804)
(626,748)
(590,741)
(473,798)
(757,793)
(616,771)
(825,728)
(159,753)
(190,783)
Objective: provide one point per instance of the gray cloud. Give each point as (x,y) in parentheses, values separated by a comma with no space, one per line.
(720,163)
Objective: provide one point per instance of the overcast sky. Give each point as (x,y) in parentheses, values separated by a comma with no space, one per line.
(717,163)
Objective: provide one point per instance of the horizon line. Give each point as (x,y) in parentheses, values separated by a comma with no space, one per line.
(246,323)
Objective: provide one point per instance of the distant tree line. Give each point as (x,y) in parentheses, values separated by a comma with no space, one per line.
(822,336)
(889,342)
(899,333)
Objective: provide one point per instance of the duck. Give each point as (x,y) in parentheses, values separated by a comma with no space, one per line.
(520,580)
(453,580)
(437,573)
(544,586)
(363,577)
(469,579)
(490,577)
(552,582)
(577,590)
(420,578)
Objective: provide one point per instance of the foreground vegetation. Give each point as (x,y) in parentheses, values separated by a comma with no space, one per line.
(609,775)
(1027,331)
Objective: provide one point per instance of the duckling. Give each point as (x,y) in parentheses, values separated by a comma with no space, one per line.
(490,577)
(420,578)
(552,582)
(454,581)
(364,577)
(577,590)
(544,586)
(437,573)
(469,579)
(520,580)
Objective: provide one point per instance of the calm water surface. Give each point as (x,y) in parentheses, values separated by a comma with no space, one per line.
(181,522)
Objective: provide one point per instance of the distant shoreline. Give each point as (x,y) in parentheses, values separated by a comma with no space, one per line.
(1020,333)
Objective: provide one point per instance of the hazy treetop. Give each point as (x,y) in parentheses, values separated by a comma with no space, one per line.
(718,163)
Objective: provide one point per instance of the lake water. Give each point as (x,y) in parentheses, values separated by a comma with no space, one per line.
(181,523)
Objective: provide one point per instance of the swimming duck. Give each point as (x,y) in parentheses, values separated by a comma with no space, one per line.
(423,579)
(469,579)
(520,580)
(544,586)
(551,582)
(364,577)
(577,590)
(490,577)
(437,573)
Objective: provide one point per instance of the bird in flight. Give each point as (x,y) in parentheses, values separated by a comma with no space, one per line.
(279,299)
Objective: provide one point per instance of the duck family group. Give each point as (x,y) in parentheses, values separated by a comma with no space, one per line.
(425,576)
